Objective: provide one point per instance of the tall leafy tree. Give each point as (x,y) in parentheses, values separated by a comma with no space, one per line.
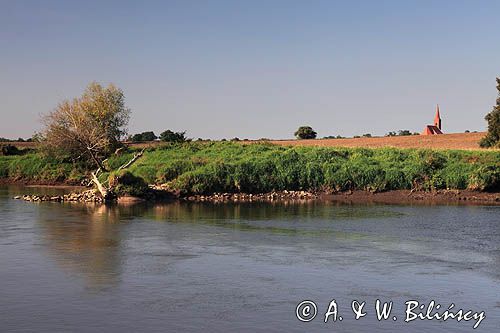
(87,127)
(492,138)
(305,132)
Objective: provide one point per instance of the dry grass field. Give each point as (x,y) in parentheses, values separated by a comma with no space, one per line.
(468,141)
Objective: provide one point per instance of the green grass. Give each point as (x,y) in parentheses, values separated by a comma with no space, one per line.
(37,168)
(229,167)
(202,168)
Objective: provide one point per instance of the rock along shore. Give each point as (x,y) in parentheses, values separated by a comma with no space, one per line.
(389,197)
(85,196)
(94,196)
(244,197)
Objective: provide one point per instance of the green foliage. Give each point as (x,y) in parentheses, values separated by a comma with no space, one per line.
(206,167)
(486,178)
(124,182)
(144,137)
(492,138)
(170,136)
(404,132)
(333,137)
(7,150)
(305,132)
(400,133)
(87,128)
(230,167)
(36,167)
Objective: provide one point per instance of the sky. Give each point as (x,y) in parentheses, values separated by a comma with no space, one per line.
(255,69)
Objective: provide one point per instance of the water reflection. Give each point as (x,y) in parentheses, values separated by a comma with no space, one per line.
(88,240)
(84,241)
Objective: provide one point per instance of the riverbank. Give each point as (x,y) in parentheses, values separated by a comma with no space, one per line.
(199,170)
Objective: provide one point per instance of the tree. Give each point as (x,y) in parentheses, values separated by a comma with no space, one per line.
(88,126)
(492,138)
(144,136)
(170,136)
(305,132)
(404,132)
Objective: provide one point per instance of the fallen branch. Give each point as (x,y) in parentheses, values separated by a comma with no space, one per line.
(135,158)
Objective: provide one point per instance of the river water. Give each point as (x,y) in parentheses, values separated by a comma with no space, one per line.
(186,267)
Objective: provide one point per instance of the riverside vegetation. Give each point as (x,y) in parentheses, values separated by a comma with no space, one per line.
(206,168)
(81,134)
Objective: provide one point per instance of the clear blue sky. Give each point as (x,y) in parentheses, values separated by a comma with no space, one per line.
(255,68)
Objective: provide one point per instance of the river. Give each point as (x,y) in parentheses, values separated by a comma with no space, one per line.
(193,267)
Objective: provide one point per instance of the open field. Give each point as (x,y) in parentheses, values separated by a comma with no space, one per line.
(464,141)
(444,141)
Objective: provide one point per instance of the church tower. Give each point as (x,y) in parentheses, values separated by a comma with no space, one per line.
(437,118)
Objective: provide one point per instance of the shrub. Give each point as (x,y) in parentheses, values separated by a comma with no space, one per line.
(7,150)
(485,178)
(125,183)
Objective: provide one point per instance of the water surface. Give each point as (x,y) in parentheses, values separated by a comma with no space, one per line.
(240,267)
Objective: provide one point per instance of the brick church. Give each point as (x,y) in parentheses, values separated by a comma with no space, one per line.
(436,128)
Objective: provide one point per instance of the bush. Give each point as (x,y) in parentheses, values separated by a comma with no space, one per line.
(486,178)
(7,150)
(125,183)
(170,136)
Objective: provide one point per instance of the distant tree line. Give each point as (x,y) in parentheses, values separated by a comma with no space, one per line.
(166,136)
(18,140)
(402,133)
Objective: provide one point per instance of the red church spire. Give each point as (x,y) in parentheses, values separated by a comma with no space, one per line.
(437,118)
(436,128)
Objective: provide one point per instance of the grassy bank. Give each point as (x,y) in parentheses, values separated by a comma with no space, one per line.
(228,167)
(202,168)
(33,167)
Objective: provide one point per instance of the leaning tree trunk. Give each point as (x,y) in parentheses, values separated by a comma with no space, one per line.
(106,194)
